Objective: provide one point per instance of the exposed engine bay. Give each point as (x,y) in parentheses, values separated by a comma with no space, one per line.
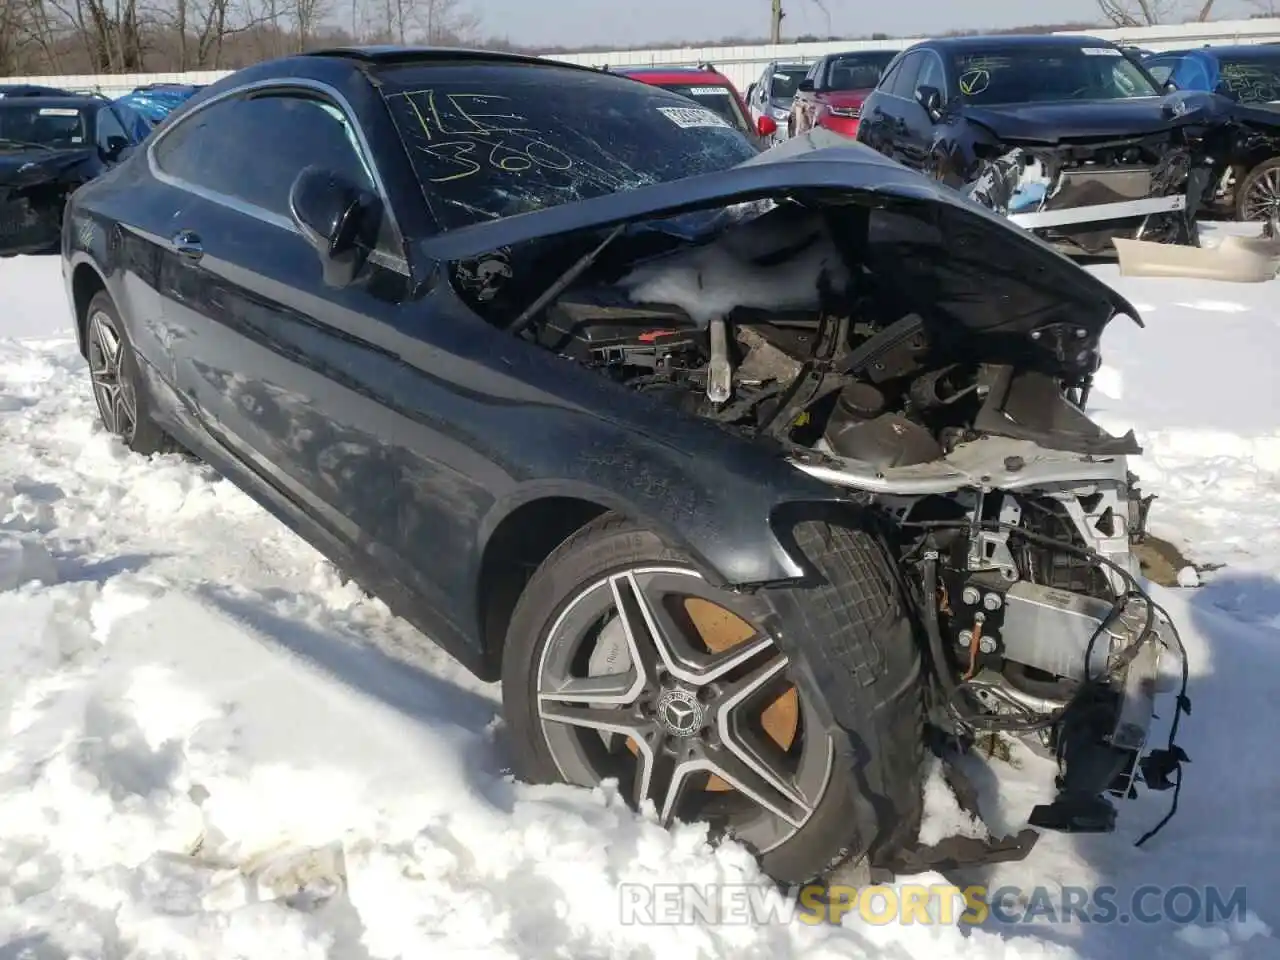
(1011,512)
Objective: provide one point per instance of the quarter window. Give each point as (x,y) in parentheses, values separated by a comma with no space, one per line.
(1162,70)
(108,127)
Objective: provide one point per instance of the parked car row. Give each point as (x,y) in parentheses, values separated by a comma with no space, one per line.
(1078,139)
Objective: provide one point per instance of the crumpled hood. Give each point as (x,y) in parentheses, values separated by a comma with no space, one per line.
(991,278)
(20,168)
(1096,119)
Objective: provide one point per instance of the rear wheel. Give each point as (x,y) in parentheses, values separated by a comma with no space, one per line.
(623,662)
(113,372)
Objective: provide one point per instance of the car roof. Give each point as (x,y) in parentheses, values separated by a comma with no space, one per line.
(1226,50)
(1017,41)
(79,102)
(395,55)
(671,73)
(335,65)
(854,53)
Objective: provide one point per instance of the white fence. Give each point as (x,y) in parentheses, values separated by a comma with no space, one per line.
(744,64)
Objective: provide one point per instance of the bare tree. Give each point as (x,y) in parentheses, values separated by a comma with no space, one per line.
(1145,13)
(443,22)
(305,17)
(109,31)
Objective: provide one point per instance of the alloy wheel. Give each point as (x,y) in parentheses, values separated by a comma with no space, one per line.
(112,388)
(1263,199)
(649,677)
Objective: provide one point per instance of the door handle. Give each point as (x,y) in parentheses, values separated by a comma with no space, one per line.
(187,244)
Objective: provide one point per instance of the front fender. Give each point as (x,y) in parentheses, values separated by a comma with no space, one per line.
(736,532)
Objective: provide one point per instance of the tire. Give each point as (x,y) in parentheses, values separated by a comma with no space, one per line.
(123,404)
(849,652)
(1265,176)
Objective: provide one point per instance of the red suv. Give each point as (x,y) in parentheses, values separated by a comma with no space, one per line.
(709,88)
(831,96)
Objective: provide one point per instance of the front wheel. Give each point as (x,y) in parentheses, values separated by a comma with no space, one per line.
(122,404)
(622,662)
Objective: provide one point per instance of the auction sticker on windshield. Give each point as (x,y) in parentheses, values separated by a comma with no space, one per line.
(690,117)
(59,112)
(708,92)
(1101,52)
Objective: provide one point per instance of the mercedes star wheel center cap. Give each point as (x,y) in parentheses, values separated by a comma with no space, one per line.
(680,713)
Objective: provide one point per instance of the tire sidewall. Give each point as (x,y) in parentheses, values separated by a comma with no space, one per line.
(826,838)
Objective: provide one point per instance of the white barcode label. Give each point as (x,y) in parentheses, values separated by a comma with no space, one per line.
(690,117)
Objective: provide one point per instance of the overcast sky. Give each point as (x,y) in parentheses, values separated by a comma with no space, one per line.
(542,22)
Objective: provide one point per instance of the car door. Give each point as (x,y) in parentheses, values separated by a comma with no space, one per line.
(301,382)
(874,127)
(895,107)
(919,132)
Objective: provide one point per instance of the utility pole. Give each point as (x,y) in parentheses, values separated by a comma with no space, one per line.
(775,32)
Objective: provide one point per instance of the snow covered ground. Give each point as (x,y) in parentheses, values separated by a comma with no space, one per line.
(200,720)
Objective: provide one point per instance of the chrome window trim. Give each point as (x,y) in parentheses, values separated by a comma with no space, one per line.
(399,264)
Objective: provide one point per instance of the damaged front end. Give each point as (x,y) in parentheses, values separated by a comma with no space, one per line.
(1080,192)
(923,359)
(1081,196)
(34,187)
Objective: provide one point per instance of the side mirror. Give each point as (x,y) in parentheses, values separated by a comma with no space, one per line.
(931,99)
(337,218)
(766,126)
(806,86)
(116,146)
(1170,87)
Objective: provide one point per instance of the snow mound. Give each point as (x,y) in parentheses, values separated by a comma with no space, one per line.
(215,746)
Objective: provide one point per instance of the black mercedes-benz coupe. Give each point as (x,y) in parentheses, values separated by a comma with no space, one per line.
(739,470)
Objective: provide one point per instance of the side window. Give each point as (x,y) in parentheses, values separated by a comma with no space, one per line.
(904,84)
(890,77)
(108,126)
(1161,69)
(213,148)
(931,75)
